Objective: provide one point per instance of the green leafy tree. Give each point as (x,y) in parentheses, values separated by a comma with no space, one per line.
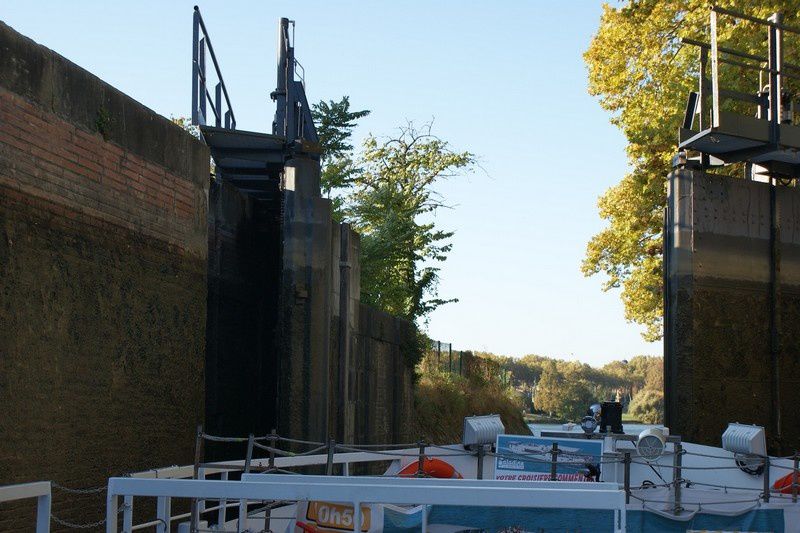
(648,407)
(642,75)
(335,123)
(545,397)
(392,206)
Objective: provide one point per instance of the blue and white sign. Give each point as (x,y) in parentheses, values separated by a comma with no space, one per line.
(529,458)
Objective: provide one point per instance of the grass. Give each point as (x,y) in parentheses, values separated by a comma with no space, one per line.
(442,401)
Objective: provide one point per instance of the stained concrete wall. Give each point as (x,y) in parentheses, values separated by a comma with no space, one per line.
(720,365)
(342,369)
(103,281)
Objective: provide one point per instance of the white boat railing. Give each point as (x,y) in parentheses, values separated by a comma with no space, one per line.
(358,491)
(40,490)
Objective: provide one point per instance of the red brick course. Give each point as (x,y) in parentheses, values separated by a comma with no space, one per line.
(48,157)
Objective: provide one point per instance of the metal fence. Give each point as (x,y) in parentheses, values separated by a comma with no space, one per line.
(441,357)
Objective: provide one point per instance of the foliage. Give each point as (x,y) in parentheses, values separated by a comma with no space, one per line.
(392,206)
(642,74)
(442,400)
(565,389)
(335,123)
(648,407)
(386,191)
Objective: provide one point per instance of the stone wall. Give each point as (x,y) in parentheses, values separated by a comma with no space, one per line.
(724,360)
(103,281)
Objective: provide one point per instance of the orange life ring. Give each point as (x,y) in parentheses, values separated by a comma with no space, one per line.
(784,484)
(432,468)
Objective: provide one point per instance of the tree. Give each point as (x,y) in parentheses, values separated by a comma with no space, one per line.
(392,206)
(547,390)
(642,74)
(335,123)
(648,407)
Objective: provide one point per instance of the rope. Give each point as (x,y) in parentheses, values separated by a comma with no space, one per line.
(296,441)
(94,490)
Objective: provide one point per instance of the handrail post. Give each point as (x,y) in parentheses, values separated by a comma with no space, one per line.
(331,451)
(198,457)
(127,513)
(626,461)
(249,457)
(163,514)
(794,477)
(273,443)
(714,72)
(554,462)
(481,452)
(195,53)
(677,461)
(421,461)
(766,479)
(43,505)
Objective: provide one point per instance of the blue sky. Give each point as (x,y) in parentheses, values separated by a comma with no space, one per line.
(503,79)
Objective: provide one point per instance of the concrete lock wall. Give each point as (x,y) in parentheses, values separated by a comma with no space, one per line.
(102,282)
(728,356)
(343,373)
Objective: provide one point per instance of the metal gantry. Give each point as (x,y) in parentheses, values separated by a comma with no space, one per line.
(768,139)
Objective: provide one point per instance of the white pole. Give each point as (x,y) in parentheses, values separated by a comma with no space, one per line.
(127,514)
(43,513)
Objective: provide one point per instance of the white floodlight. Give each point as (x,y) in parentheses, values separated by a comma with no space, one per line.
(651,443)
(479,430)
(746,439)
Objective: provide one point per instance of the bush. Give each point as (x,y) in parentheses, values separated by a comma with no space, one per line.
(442,400)
(647,406)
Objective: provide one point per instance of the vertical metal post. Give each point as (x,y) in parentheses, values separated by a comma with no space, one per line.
(775,107)
(714,72)
(201,64)
(766,479)
(481,453)
(223,503)
(450,357)
(195,66)
(218,104)
(127,514)
(421,460)
(163,512)
(201,503)
(626,461)
(357,517)
(241,522)
(198,457)
(273,444)
(554,462)
(249,457)
(677,461)
(112,509)
(43,504)
(331,451)
(794,478)
(775,66)
(438,355)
